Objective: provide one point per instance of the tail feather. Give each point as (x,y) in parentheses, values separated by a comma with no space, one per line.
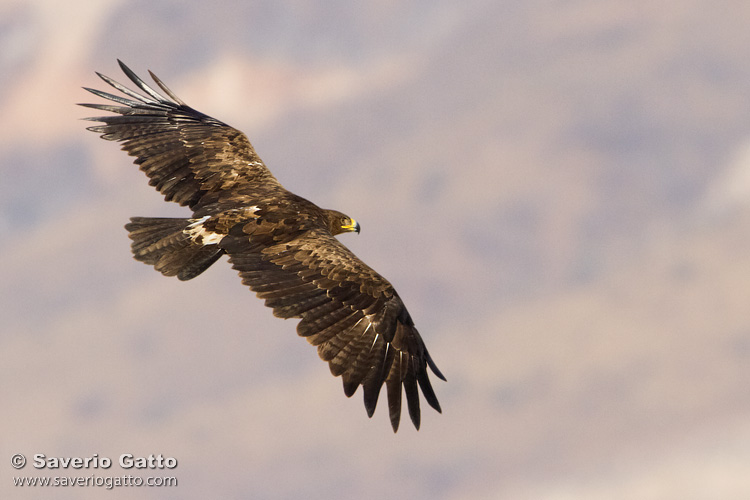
(169,245)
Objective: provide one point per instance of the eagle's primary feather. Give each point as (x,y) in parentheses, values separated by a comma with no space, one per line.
(282,245)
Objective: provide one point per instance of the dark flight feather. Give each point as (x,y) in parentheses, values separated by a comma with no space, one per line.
(283,246)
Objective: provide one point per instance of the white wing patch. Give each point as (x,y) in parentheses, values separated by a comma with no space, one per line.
(200,234)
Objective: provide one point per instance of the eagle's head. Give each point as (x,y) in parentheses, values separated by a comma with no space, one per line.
(339,223)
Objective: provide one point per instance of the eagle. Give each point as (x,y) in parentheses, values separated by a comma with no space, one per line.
(282,245)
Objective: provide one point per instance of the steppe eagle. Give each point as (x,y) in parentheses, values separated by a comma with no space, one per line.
(282,245)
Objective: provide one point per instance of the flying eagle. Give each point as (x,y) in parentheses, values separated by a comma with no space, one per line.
(281,244)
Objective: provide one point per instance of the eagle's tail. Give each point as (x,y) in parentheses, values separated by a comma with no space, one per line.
(175,247)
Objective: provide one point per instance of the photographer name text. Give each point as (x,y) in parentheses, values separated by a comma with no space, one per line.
(126,461)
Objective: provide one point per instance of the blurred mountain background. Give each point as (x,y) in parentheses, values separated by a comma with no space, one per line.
(559,190)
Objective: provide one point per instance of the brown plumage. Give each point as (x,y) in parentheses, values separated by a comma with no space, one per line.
(282,245)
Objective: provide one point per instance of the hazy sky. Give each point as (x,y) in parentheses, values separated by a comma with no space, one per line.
(557,189)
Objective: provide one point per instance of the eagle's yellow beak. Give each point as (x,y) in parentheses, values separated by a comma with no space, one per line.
(351,226)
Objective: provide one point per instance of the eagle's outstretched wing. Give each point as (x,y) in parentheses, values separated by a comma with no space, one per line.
(184,152)
(351,313)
